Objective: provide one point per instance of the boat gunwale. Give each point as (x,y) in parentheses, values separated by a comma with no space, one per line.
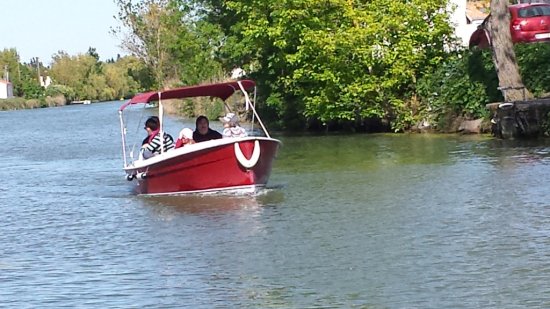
(188,149)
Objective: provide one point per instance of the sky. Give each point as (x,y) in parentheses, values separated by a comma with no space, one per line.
(41,28)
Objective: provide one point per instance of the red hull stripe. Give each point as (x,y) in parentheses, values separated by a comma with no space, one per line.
(214,168)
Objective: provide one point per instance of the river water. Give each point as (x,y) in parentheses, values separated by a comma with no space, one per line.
(360,221)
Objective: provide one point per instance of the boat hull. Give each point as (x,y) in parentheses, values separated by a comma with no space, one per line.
(212,166)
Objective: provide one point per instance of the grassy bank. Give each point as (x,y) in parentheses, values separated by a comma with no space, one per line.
(22,103)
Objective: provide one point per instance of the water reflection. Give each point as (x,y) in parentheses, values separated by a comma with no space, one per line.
(213,203)
(195,204)
(359,221)
(367,152)
(508,154)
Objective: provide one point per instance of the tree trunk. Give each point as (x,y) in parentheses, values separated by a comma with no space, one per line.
(504,56)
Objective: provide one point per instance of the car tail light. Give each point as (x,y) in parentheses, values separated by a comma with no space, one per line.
(517,24)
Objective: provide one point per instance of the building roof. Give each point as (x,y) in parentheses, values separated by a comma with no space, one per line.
(476,10)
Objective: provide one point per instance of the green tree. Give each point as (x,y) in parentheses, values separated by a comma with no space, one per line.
(24,77)
(77,72)
(119,82)
(29,86)
(149,33)
(93,52)
(172,39)
(337,60)
(460,86)
(137,71)
(9,65)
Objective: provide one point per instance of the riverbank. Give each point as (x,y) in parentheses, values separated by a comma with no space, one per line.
(22,103)
(187,109)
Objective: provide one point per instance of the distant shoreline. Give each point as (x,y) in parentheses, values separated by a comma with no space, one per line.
(17,103)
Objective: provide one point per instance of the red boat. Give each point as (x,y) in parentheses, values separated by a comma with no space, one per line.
(234,164)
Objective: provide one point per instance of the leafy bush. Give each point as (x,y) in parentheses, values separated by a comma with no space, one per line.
(58,100)
(461,86)
(214,110)
(465,83)
(339,62)
(66,91)
(31,89)
(534,66)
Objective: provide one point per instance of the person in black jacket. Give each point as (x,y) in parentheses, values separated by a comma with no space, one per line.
(203,132)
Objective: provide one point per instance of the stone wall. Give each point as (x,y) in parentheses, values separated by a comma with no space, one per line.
(522,119)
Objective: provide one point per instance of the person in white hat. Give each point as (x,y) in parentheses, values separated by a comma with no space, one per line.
(231,126)
(185,138)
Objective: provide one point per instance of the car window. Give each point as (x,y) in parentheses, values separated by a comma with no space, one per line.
(533,11)
(543,10)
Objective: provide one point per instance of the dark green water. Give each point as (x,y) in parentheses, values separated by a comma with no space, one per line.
(362,221)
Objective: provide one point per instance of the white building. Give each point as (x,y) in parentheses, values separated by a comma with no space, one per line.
(45,81)
(6,89)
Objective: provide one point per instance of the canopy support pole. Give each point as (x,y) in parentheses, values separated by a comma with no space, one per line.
(123,135)
(247,98)
(161,132)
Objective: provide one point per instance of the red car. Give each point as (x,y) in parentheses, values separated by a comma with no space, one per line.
(529,22)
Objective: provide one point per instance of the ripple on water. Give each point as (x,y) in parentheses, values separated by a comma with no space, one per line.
(374,221)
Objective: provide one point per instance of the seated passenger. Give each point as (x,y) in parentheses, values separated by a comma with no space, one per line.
(231,126)
(153,141)
(203,132)
(185,138)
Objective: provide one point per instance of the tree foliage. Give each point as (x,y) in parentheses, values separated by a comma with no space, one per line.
(464,83)
(76,77)
(23,76)
(74,72)
(146,21)
(171,40)
(86,78)
(334,60)
(460,86)
(534,67)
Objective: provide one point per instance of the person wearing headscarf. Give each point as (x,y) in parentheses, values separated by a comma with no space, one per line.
(203,132)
